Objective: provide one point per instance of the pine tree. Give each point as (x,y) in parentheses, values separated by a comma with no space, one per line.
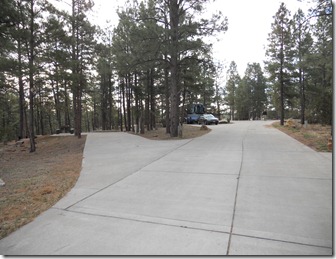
(10,67)
(219,90)
(185,42)
(280,59)
(82,42)
(243,100)
(57,64)
(32,54)
(322,63)
(233,81)
(303,43)
(256,85)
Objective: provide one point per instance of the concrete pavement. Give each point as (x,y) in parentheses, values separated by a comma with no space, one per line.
(242,189)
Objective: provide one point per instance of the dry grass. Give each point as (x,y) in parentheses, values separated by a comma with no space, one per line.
(36,181)
(315,136)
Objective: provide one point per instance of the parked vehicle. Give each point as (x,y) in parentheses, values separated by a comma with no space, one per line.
(208,119)
(192,118)
(65,129)
(194,111)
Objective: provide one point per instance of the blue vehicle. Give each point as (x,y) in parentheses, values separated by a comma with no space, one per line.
(192,118)
(194,112)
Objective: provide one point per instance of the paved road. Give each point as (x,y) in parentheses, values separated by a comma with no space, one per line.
(243,189)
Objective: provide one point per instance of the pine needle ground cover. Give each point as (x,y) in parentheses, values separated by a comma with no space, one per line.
(315,136)
(188,132)
(34,182)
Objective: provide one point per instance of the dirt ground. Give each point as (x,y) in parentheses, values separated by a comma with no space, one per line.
(315,136)
(189,131)
(34,182)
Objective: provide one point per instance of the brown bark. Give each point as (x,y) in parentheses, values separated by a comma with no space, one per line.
(31,80)
(174,95)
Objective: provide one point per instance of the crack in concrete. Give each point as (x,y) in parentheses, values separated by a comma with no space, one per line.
(236,194)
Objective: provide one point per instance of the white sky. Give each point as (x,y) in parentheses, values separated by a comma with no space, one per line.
(249,25)
(246,37)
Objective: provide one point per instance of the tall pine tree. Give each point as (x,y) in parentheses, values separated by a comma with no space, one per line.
(322,62)
(303,43)
(233,81)
(280,58)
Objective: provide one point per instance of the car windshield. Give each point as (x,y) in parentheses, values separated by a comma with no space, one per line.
(208,116)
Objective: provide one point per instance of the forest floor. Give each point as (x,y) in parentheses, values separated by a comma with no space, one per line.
(34,182)
(315,136)
(188,132)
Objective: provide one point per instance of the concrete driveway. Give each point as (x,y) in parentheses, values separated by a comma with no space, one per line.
(243,189)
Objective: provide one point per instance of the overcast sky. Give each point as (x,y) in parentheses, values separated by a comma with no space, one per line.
(249,26)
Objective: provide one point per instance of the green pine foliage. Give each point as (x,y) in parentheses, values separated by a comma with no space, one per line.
(232,96)
(58,70)
(299,64)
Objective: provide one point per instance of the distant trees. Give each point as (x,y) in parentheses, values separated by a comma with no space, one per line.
(45,65)
(232,83)
(246,97)
(320,64)
(299,60)
(58,71)
(9,17)
(297,80)
(219,98)
(252,93)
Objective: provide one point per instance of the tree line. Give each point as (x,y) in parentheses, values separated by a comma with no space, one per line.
(57,70)
(297,79)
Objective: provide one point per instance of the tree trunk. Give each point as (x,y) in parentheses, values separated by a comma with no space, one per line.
(167,88)
(152,101)
(31,80)
(21,93)
(50,124)
(77,71)
(137,101)
(142,126)
(41,110)
(183,105)
(103,101)
(167,92)
(123,103)
(302,95)
(67,120)
(57,103)
(78,116)
(110,102)
(174,94)
(147,102)
(217,102)
(128,99)
(282,87)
